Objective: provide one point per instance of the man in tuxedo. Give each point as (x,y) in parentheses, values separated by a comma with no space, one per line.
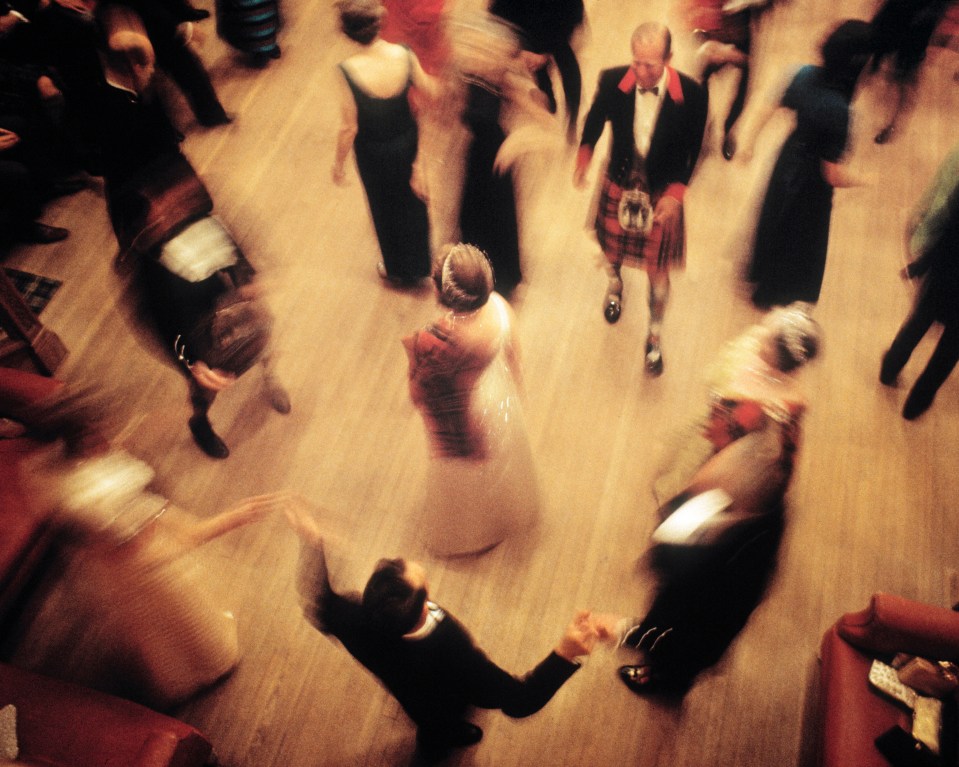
(658,117)
(421,653)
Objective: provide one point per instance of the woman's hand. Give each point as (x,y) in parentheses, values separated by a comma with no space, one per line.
(8,139)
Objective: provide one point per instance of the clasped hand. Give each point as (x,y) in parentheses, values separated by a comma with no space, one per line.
(583,632)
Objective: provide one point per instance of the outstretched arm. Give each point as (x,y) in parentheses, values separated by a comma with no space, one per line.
(492,687)
(244,513)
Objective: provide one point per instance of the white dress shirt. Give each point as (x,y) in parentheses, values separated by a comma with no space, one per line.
(647,112)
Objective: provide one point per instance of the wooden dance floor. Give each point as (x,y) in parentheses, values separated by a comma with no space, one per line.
(873,506)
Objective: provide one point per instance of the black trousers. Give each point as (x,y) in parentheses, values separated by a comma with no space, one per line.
(917,324)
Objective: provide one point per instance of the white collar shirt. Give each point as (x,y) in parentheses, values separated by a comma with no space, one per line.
(648,104)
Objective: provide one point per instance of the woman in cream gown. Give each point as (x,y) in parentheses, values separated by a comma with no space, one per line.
(132,612)
(465,379)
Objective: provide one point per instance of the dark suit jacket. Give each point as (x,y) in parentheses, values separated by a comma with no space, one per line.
(677,137)
(437,678)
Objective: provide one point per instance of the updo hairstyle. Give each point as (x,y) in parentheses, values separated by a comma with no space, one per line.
(361,20)
(464,278)
(795,334)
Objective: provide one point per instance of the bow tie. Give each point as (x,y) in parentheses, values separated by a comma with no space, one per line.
(654,90)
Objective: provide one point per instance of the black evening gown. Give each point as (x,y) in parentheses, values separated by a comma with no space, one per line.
(488,204)
(789,256)
(386,145)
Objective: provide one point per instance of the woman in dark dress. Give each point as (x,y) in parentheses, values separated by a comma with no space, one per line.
(789,256)
(498,90)
(377,122)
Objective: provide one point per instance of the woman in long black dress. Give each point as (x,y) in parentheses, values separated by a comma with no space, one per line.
(377,122)
(789,257)
(498,92)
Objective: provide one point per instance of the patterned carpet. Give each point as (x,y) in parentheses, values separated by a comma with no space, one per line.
(35,289)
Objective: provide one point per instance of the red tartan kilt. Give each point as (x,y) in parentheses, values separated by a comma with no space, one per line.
(619,246)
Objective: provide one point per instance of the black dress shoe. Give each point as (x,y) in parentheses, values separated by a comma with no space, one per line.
(213,118)
(612,309)
(887,377)
(207,439)
(654,358)
(639,678)
(436,748)
(917,403)
(465,734)
(612,303)
(65,187)
(36,233)
(729,147)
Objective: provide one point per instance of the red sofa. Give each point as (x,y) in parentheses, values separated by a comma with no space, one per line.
(852,713)
(62,724)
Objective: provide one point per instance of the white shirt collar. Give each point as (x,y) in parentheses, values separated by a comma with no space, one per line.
(434,615)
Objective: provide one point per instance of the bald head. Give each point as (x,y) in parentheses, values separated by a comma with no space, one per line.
(656,33)
(651,46)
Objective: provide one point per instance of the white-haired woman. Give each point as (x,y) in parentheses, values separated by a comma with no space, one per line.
(717,543)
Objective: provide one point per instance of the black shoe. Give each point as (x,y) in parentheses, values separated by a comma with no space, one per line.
(729,147)
(917,403)
(213,118)
(465,734)
(612,303)
(654,357)
(638,679)
(461,735)
(36,233)
(206,438)
(195,14)
(887,377)
(65,187)
(884,135)
(279,399)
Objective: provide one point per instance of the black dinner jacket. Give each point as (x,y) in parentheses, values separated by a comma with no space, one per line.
(437,678)
(676,140)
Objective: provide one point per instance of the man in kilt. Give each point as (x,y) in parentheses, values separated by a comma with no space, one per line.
(658,117)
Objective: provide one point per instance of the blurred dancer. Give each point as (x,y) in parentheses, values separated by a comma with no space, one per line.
(465,377)
(547,28)
(376,121)
(902,31)
(934,247)
(498,87)
(718,540)
(133,612)
(792,236)
(722,29)
(199,287)
(658,117)
(424,656)
(419,24)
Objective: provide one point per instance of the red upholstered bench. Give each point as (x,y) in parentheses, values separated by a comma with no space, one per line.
(852,714)
(64,724)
